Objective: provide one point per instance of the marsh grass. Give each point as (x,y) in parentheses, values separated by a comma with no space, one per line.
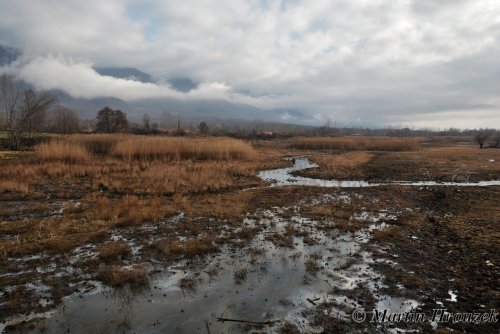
(175,149)
(61,150)
(355,143)
(116,276)
(13,186)
(186,283)
(389,234)
(98,144)
(85,148)
(189,248)
(112,250)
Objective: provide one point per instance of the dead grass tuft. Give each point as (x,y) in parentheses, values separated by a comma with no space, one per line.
(175,149)
(188,248)
(187,283)
(117,276)
(131,210)
(389,234)
(113,250)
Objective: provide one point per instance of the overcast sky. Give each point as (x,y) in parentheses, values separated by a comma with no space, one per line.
(357,62)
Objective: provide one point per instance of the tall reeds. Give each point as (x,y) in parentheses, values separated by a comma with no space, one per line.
(62,150)
(175,149)
(81,148)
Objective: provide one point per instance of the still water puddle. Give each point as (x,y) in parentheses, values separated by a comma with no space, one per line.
(281,285)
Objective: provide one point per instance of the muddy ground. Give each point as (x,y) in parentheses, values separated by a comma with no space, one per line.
(405,247)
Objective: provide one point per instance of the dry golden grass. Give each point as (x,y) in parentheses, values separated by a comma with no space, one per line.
(13,186)
(389,234)
(175,149)
(135,164)
(130,210)
(89,222)
(100,144)
(59,234)
(78,148)
(117,276)
(113,249)
(61,150)
(355,143)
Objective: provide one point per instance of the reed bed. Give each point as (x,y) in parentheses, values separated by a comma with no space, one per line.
(353,143)
(81,148)
(174,149)
(62,150)
(98,144)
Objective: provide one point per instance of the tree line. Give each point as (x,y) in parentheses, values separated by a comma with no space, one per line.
(27,113)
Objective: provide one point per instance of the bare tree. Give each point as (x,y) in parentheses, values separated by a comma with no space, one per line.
(66,121)
(35,108)
(111,121)
(481,137)
(495,139)
(24,110)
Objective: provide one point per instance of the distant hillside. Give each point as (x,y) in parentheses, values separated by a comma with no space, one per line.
(183,84)
(208,110)
(125,73)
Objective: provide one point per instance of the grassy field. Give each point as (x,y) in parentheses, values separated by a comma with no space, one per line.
(173,199)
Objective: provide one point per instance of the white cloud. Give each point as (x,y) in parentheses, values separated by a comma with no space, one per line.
(81,80)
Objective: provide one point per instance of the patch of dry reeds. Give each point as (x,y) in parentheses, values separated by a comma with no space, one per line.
(189,248)
(174,149)
(61,150)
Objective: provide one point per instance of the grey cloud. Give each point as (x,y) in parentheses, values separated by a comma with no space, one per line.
(376,62)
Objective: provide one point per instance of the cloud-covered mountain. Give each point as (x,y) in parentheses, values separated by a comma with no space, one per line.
(8,55)
(125,73)
(214,110)
(402,62)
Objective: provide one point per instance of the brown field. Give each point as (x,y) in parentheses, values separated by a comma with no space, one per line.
(355,143)
(442,163)
(143,204)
